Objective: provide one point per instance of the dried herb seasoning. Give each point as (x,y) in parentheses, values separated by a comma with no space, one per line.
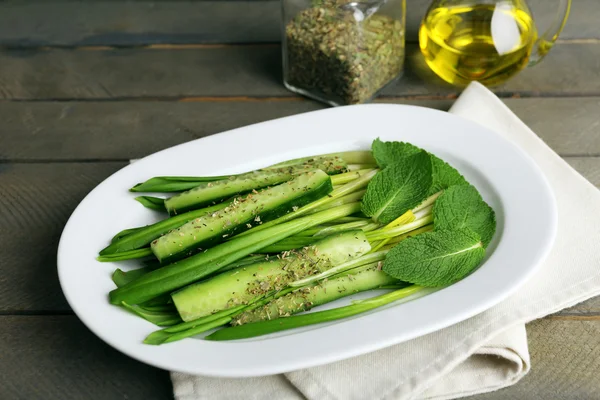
(333,54)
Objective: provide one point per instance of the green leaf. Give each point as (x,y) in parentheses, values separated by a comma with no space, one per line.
(436,258)
(122,278)
(398,188)
(160,318)
(462,207)
(154,203)
(167,184)
(388,153)
(444,176)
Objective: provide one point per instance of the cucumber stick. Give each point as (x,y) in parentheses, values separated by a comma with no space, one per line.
(242,214)
(283,303)
(207,192)
(242,285)
(139,237)
(327,291)
(177,275)
(165,184)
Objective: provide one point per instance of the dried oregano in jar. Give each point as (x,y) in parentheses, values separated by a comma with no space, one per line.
(343,52)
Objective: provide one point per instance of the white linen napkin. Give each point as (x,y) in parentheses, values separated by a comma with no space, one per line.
(482,354)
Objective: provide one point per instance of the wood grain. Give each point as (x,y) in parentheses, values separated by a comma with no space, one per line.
(36,200)
(72,131)
(565,359)
(118,74)
(56,357)
(64,23)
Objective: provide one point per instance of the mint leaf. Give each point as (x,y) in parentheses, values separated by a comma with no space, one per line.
(437,258)
(462,207)
(387,153)
(444,176)
(398,188)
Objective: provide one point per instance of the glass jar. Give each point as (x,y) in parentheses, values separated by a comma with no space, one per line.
(342,52)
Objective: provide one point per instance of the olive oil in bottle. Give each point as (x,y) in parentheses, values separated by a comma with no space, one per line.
(488,43)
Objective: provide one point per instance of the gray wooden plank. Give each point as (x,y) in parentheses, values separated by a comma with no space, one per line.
(66,23)
(565,359)
(73,130)
(36,200)
(247,71)
(56,357)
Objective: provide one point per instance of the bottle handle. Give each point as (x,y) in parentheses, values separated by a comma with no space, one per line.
(545,42)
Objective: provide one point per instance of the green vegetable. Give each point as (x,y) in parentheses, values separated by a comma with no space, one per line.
(332,164)
(349,198)
(241,214)
(436,258)
(121,278)
(388,233)
(210,192)
(348,266)
(320,204)
(126,255)
(388,153)
(289,243)
(462,207)
(304,299)
(443,176)
(296,321)
(241,285)
(160,318)
(194,268)
(398,188)
(166,184)
(141,237)
(418,221)
(349,176)
(124,233)
(153,203)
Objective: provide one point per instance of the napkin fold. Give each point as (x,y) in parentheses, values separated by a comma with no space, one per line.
(484,353)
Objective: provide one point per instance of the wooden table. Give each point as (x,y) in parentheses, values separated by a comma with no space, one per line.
(86,86)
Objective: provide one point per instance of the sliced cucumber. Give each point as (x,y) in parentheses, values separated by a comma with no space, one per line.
(305,298)
(208,192)
(242,285)
(139,237)
(165,184)
(242,214)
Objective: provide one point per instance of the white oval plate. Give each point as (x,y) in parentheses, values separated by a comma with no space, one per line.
(507,178)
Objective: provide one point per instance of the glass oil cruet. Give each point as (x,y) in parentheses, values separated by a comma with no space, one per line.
(488,41)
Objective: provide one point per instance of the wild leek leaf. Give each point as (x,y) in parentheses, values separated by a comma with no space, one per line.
(444,176)
(398,188)
(167,184)
(388,153)
(153,203)
(462,207)
(122,278)
(160,318)
(436,258)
